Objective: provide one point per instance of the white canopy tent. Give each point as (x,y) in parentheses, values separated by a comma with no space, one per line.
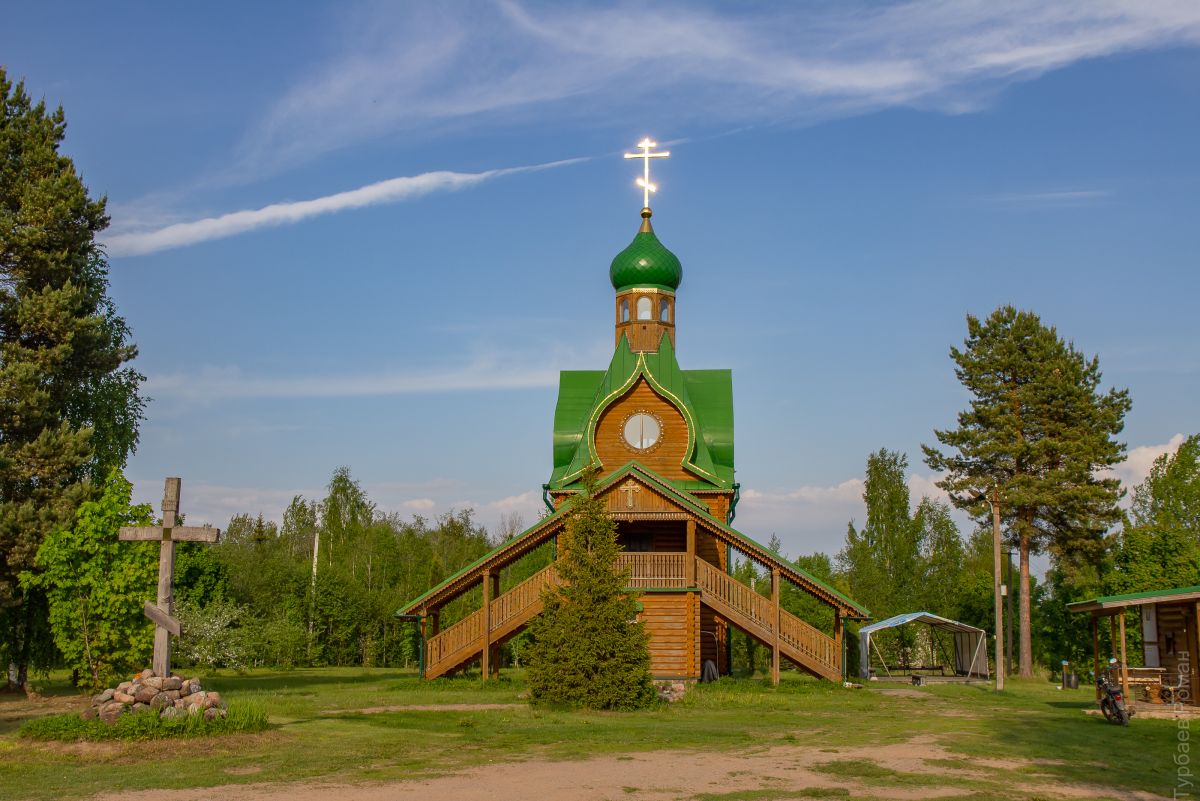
(970,653)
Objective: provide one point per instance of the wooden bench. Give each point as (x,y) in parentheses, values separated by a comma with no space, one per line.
(1143,678)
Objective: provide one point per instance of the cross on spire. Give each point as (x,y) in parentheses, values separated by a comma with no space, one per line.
(644,182)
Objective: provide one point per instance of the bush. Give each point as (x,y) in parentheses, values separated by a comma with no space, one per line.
(241,717)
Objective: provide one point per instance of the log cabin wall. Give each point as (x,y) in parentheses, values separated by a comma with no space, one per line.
(671,620)
(714,635)
(1177,645)
(666,457)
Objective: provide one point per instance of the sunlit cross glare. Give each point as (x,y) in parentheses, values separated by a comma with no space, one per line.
(645,156)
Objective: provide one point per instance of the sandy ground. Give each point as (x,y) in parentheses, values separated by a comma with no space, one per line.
(655,776)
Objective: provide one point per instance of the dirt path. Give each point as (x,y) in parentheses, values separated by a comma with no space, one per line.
(661,776)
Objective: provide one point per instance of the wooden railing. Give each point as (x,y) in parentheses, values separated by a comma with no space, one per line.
(520,598)
(445,644)
(659,570)
(805,639)
(757,608)
(798,640)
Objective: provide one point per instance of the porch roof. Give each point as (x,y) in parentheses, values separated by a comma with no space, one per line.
(1111,604)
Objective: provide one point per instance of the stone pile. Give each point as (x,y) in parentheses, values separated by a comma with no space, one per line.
(168,697)
(670,691)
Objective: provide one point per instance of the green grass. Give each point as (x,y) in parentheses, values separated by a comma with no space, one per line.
(317,732)
(241,718)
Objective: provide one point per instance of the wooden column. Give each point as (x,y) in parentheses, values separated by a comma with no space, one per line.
(689,570)
(485,661)
(1096,653)
(495,656)
(837,641)
(435,622)
(1112,635)
(775,625)
(1124,663)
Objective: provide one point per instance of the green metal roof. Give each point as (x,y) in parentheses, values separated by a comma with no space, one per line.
(1134,599)
(645,263)
(703,397)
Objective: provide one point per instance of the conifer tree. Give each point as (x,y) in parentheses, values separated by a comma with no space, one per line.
(1040,431)
(68,410)
(588,649)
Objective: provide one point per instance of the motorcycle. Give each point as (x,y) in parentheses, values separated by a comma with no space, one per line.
(1112,698)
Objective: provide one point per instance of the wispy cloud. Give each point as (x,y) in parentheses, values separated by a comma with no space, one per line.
(1059,199)
(411,67)
(218,384)
(392,190)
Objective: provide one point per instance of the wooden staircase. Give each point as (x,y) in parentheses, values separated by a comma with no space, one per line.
(809,648)
(464,641)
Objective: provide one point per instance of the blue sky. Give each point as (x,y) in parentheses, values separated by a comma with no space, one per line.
(371,234)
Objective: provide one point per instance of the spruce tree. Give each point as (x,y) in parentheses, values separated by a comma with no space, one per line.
(588,649)
(68,409)
(1040,431)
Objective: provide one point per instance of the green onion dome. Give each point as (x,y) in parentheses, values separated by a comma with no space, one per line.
(645,263)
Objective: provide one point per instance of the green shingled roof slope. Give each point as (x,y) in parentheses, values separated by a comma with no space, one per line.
(703,397)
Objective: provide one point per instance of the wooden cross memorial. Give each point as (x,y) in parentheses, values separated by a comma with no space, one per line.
(167,534)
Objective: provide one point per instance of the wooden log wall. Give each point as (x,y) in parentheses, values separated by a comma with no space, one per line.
(666,457)
(672,622)
(1177,644)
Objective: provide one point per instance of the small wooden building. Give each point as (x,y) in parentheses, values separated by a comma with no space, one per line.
(1170,637)
(662,439)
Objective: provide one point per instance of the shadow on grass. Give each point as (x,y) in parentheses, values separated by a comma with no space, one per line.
(301,678)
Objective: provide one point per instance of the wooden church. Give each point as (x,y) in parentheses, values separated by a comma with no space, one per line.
(662,438)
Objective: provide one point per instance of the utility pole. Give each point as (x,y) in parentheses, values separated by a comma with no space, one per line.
(996,588)
(1009,623)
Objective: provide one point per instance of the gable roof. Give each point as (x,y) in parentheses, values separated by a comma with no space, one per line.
(548,526)
(703,397)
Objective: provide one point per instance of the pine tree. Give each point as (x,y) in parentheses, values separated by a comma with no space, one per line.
(68,410)
(588,650)
(1039,430)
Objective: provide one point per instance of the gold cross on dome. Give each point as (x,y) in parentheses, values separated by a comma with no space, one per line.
(644,182)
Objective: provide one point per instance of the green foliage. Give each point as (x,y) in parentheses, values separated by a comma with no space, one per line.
(96,586)
(260,581)
(1039,430)
(240,718)
(902,561)
(1159,546)
(68,409)
(882,562)
(588,649)
(212,635)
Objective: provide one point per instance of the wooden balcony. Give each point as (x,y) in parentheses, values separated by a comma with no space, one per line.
(656,570)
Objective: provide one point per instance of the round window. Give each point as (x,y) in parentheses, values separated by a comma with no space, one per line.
(642,431)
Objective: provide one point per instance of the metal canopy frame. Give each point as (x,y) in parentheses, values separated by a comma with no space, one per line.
(970,659)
